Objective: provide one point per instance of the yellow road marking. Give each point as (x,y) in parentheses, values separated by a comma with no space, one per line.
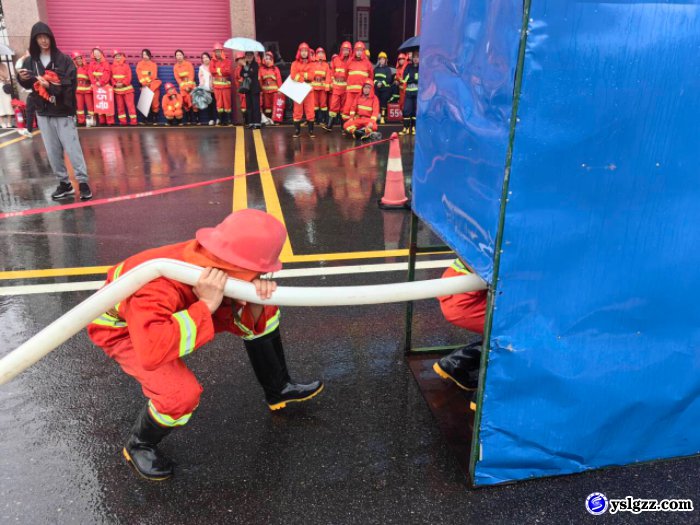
(18,139)
(272,201)
(95,270)
(240,187)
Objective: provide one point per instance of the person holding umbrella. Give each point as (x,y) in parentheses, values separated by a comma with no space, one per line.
(250,87)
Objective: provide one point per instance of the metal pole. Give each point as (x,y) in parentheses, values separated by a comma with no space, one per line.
(412,250)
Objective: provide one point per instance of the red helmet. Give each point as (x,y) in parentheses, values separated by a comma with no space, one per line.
(238,55)
(218,46)
(116,52)
(76,54)
(360,45)
(367,82)
(303,45)
(270,54)
(250,238)
(320,52)
(346,45)
(169,86)
(401,55)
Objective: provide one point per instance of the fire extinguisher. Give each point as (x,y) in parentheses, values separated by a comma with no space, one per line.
(19,117)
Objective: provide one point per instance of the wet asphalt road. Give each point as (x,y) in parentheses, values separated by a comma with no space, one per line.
(367,450)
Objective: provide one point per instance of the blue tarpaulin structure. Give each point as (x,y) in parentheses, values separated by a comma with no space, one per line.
(557,151)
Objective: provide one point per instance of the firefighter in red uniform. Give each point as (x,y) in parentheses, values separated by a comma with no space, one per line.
(359,69)
(339,76)
(83,92)
(123,90)
(401,64)
(468,311)
(220,68)
(100,75)
(321,85)
(150,332)
(173,105)
(270,80)
(302,71)
(364,115)
(237,67)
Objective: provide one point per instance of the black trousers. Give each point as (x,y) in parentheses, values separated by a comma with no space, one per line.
(383,94)
(252,103)
(205,115)
(30,113)
(410,104)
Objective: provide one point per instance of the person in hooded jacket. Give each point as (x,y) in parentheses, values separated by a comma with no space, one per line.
(302,71)
(339,84)
(251,70)
(100,75)
(151,333)
(271,81)
(83,93)
(359,69)
(123,90)
(56,116)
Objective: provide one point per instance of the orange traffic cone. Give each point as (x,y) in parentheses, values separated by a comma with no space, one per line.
(394,192)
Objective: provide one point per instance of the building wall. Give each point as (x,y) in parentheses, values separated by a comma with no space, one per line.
(20,16)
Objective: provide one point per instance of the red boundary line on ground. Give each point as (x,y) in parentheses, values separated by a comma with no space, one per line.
(152,193)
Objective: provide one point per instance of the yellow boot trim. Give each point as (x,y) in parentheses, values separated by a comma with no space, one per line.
(279,406)
(439,371)
(133,465)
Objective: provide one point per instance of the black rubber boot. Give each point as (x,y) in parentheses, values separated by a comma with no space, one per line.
(297,130)
(461,366)
(329,124)
(266,355)
(140,450)
(358,134)
(311,130)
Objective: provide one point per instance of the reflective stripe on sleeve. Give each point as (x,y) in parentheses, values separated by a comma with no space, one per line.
(109,321)
(188,332)
(458,266)
(270,326)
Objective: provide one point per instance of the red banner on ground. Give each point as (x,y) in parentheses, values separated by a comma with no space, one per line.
(104,100)
(278,107)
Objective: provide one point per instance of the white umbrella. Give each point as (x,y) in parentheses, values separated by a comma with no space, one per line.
(6,51)
(244,44)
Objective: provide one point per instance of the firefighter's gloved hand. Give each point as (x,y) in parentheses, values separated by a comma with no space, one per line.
(210,288)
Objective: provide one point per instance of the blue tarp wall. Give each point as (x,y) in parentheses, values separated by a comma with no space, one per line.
(594,350)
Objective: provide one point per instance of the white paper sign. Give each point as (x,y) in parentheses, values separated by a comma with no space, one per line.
(145,100)
(297,91)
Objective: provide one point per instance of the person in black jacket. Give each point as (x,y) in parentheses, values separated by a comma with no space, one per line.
(250,71)
(55,108)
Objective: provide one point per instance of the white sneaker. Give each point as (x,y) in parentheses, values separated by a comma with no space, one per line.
(25,132)
(211,122)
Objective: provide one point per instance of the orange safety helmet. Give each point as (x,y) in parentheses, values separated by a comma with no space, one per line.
(250,238)
(369,83)
(168,87)
(320,52)
(116,52)
(346,45)
(239,55)
(303,45)
(218,46)
(360,45)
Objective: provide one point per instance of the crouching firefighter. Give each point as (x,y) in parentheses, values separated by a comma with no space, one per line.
(149,333)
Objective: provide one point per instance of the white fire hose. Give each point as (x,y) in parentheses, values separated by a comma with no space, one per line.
(105,298)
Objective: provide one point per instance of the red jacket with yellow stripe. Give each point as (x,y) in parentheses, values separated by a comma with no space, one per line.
(366,106)
(121,74)
(165,320)
(358,72)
